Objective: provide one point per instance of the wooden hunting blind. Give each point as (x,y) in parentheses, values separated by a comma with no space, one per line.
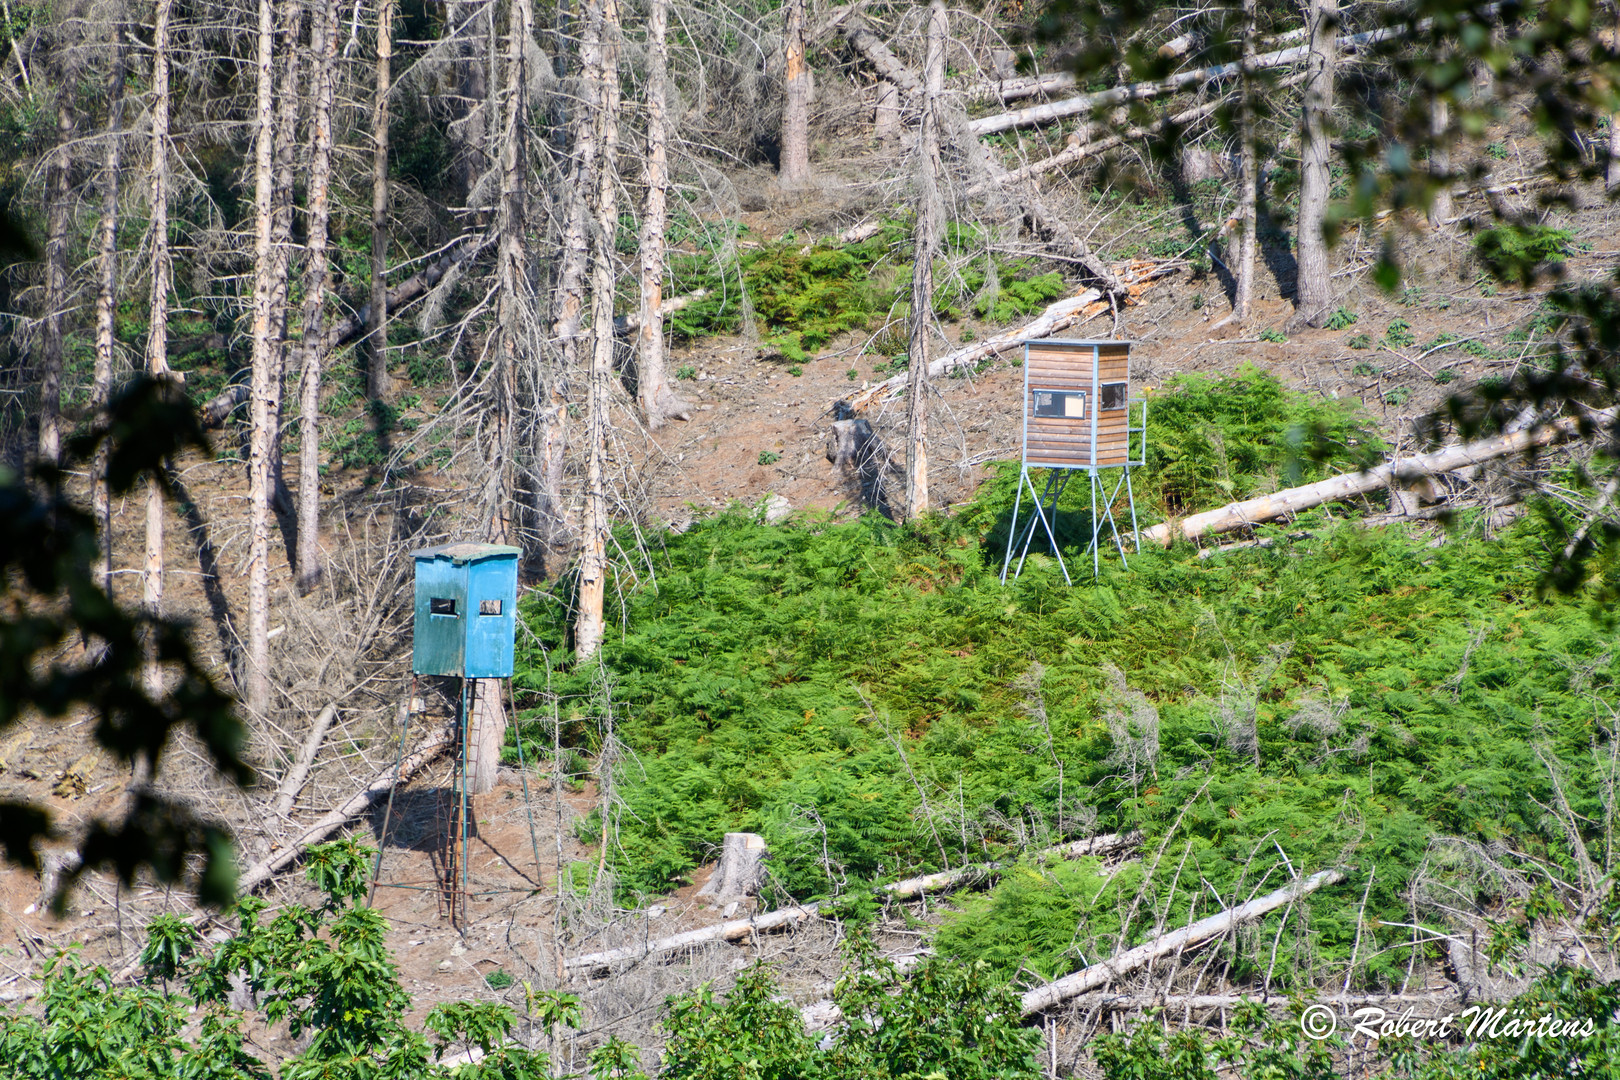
(466,618)
(465,628)
(1080,415)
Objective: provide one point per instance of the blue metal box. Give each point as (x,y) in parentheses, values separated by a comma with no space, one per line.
(466,610)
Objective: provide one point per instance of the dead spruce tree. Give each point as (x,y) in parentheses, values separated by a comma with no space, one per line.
(659,403)
(1315,289)
(265,388)
(930,225)
(588,628)
(323,35)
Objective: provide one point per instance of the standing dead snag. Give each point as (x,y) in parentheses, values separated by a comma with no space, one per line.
(795,172)
(323,33)
(930,224)
(1249,181)
(377,332)
(157,341)
(588,628)
(1315,280)
(107,302)
(263,390)
(658,402)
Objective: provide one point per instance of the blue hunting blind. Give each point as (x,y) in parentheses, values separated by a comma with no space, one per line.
(466,610)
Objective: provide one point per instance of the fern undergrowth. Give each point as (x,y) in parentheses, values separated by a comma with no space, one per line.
(875,702)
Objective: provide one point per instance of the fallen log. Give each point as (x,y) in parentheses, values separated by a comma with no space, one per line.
(1042,221)
(1035,85)
(298,775)
(1079,151)
(1059,316)
(254,877)
(1291,501)
(1100,975)
(624,324)
(1142,91)
(738,929)
(422,754)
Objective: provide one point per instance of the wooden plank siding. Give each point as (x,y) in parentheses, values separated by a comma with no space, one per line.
(1067,367)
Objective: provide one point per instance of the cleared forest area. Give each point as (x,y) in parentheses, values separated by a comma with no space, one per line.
(714,313)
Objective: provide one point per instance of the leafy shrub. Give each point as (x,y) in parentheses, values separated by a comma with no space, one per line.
(686,372)
(1359,341)
(1272,334)
(1216,440)
(1342,319)
(1399,334)
(769,457)
(498,980)
(1511,253)
(942,1020)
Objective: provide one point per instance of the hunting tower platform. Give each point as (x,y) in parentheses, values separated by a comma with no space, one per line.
(465,628)
(1079,416)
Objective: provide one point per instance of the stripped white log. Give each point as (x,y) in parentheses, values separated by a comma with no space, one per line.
(1142,91)
(624,324)
(1059,316)
(298,775)
(423,754)
(737,929)
(1100,975)
(1451,458)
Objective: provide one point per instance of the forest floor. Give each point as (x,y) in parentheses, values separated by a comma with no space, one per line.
(745,407)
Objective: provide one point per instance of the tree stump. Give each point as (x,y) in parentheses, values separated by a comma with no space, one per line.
(740,871)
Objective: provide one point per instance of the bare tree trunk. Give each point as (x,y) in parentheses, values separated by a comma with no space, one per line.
(886,113)
(930,223)
(1448,459)
(107,304)
(588,628)
(658,401)
(1314,294)
(58,222)
(1441,210)
(1612,177)
(323,33)
(1248,191)
(514,299)
(288,106)
(377,332)
(568,298)
(263,394)
(795,170)
(1102,974)
(157,340)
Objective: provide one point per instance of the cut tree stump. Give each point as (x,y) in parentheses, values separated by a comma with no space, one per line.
(740,871)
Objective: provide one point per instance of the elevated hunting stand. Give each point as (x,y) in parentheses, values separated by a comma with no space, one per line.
(464,628)
(1079,416)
